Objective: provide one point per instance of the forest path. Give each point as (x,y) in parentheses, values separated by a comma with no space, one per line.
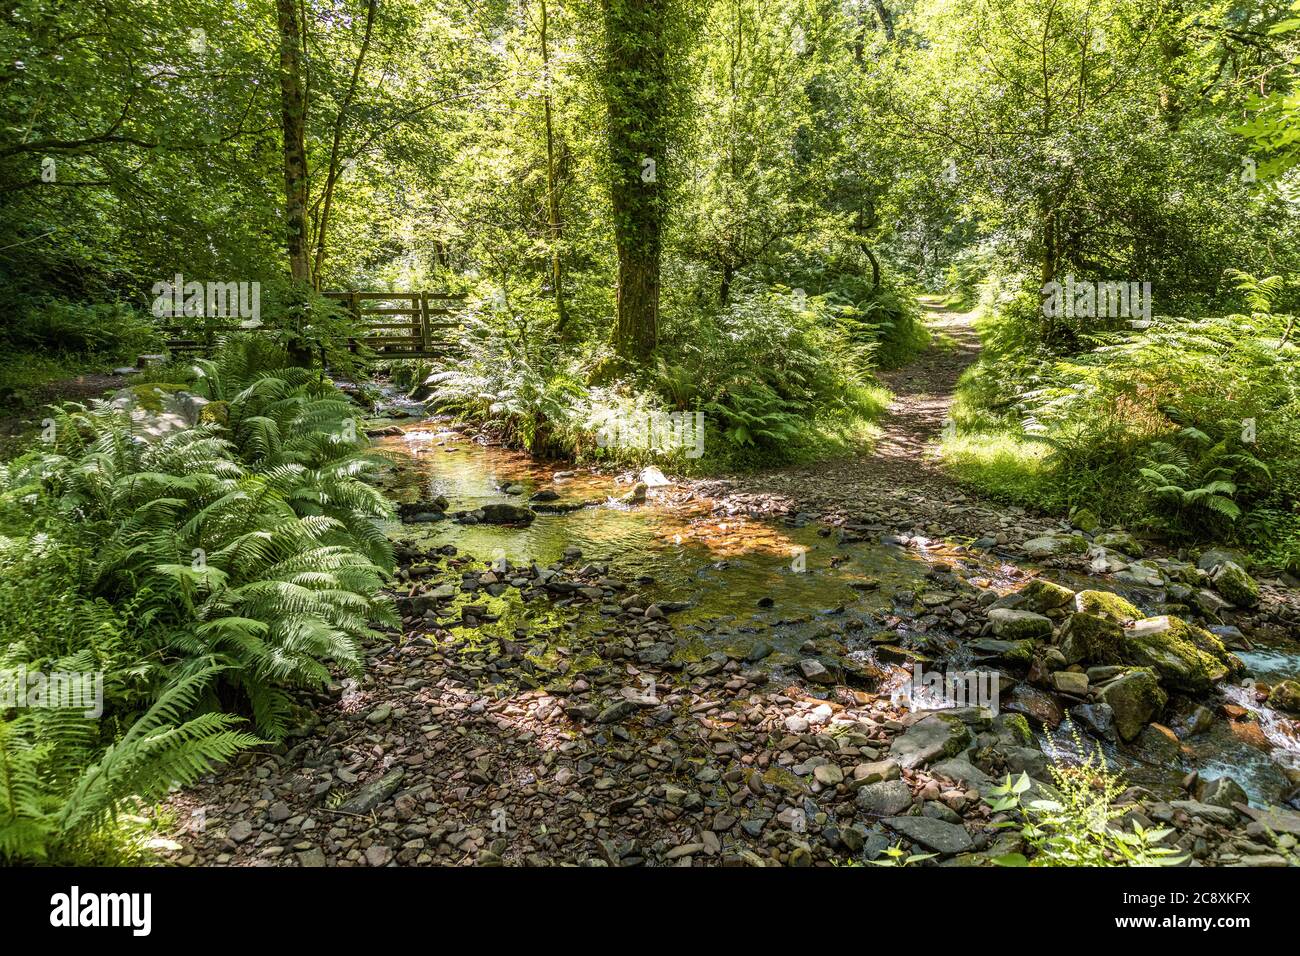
(923,394)
(901,482)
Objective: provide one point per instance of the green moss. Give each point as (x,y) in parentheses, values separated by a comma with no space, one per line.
(1018,728)
(783,780)
(1187,657)
(1286,696)
(1040,595)
(150,397)
(1108,605)
(215,413)
(1091,638)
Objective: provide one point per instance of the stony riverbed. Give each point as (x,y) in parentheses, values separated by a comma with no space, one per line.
(593,671)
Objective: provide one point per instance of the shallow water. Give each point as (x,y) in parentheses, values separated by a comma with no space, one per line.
(676,550)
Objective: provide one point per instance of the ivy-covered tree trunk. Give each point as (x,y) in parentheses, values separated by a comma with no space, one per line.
(293,106)
(637,85)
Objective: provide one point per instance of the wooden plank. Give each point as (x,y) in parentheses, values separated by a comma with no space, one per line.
(457,296)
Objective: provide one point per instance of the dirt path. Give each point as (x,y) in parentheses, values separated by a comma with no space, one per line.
(902,483)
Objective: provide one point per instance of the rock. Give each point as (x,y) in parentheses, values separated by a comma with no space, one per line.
(796,724)
(1091,638)
(378,855)
(637,495)
(278,812)
(1016,652)
(312,858)
(239,831)
(937,835)
(157,411)
(1035,703)
(1221,792)
(1098,718)
(828,775)
(507,514)
(1158,746)
(1047,545)
(931,738)
(1285,695)
(1277,819)
(1201,720)
(652,477)
(429,510)
(964,772)
(1106,604)
(1134,699)
(1223,816)
(1012,625)
(546,494)
(1211,558)
(1143,573)
(617,711)
(876,771)
(1120,541)
(1187,657)
(813,670)
(1071,682)
(380,714)
(1085,520)
(884,799)
(1231,580)
(1041,596)
(374,793)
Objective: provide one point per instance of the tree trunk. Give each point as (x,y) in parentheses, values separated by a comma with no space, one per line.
(293,104)
(636,90)
(552,196)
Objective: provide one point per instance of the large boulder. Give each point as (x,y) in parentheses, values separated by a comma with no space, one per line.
(1187,657)
(1231,580)
(1134,698)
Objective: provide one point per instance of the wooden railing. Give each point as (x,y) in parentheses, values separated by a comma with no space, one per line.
(394,324)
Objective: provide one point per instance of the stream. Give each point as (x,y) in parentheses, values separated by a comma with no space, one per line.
(760,589)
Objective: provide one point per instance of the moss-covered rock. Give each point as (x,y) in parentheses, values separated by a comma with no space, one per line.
(1085,520)
(1134,699)
(1285,696)
(1108,605)
(1041,596)
(1013,729)
(1187,657)
(1091,638)
(1011,624)
(1120,541)
(1231,580)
